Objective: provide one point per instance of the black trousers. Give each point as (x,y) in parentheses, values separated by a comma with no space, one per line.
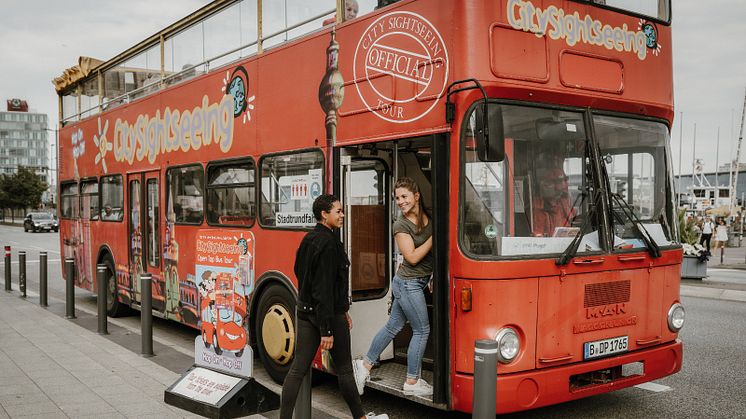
(705,239)
(307,342)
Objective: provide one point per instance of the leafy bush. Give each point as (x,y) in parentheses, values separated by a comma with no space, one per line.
(687,229)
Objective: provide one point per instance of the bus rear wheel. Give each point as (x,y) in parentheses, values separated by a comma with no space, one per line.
(275,331)
(114,307)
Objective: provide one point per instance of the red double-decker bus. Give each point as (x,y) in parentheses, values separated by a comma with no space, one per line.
(538,132)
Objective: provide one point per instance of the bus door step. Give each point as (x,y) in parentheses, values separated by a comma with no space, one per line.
(389,377)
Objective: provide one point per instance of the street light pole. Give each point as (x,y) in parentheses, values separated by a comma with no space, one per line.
(56,163)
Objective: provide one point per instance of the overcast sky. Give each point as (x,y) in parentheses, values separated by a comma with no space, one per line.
(40,38)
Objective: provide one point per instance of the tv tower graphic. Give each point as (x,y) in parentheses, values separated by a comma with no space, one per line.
(331,95)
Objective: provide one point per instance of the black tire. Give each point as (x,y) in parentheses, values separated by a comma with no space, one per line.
(56,230)
(216,344)
(114,307)
(239,353)
(276,299)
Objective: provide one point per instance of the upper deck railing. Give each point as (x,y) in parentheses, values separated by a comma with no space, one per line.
(219,33)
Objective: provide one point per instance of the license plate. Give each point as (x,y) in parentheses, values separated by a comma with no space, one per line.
(605,347)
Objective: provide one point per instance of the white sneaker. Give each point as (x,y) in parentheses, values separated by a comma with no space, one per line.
(372,415)
(361,375)
(420,388)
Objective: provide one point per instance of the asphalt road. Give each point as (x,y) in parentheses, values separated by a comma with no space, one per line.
(712,382)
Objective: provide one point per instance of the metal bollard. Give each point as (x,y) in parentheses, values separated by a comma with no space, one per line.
(7,269)
(146,314)
(69,288)
(43,279)
(485,379)
(103,321)
(22,273)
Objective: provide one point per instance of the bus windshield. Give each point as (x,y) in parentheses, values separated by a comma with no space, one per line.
(634,153)
(541,195)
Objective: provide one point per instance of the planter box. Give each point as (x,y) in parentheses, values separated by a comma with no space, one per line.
(692,268)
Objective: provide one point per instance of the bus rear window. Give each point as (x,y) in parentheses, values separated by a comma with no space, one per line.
(69,201)
(290,183)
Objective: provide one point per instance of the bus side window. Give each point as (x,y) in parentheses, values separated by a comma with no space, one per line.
(185,186)
(289,184)
(69,201)
(230,193)
(112,198)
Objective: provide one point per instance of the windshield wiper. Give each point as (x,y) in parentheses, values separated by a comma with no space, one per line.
(572,248)
(644,234)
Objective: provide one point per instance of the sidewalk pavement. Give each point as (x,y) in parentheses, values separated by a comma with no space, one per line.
(720,283)
(733,258)
(51,367)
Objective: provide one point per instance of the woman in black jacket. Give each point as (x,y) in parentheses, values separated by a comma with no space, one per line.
(322,267)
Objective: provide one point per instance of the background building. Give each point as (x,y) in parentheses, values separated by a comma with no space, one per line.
(24,142)
(723,179)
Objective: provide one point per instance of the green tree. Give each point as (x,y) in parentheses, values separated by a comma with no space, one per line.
(21,190)
(4,202)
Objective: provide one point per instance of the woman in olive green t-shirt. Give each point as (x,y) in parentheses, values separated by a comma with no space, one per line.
(413,234)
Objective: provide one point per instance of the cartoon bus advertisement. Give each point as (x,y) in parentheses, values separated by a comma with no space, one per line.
(225,280)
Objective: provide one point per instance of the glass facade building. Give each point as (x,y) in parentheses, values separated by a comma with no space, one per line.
(24,142)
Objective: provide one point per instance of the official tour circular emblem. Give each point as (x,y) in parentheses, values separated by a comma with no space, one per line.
(400,67)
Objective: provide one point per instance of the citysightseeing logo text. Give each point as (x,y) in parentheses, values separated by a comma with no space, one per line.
(406,47)
(174,131)
(553,21)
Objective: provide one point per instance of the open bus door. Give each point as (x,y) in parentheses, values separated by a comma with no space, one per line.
(365,198)
(143,221)
(365,184)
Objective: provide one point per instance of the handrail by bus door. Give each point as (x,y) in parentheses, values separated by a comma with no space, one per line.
(346,164)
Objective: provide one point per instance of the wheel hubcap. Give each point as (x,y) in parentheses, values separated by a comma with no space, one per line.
(278,334)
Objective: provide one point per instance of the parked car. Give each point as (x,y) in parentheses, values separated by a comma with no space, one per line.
(40,221)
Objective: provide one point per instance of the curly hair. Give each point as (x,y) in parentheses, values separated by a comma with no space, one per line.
(324,202)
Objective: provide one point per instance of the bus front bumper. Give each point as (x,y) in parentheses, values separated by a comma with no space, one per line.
(547,386)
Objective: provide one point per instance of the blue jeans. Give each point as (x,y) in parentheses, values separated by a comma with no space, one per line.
(409,305)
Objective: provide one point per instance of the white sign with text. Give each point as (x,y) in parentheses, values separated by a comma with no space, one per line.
(205,385)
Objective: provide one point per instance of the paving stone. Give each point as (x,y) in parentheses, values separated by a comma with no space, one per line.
(52,415)
(32,409)
(23,399)
(19,389)
(102,409)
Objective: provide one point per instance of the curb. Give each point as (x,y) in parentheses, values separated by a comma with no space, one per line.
(713,293)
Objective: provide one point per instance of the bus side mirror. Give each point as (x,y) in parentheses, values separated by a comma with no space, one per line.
(490,134)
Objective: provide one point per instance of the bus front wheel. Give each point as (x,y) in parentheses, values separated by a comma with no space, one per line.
(275,331)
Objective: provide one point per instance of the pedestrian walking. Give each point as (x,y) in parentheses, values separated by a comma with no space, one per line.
(721,234)
(322,268)
(707,229)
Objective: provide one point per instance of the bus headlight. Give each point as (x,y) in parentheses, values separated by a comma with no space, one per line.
(508,345)
(676,316)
